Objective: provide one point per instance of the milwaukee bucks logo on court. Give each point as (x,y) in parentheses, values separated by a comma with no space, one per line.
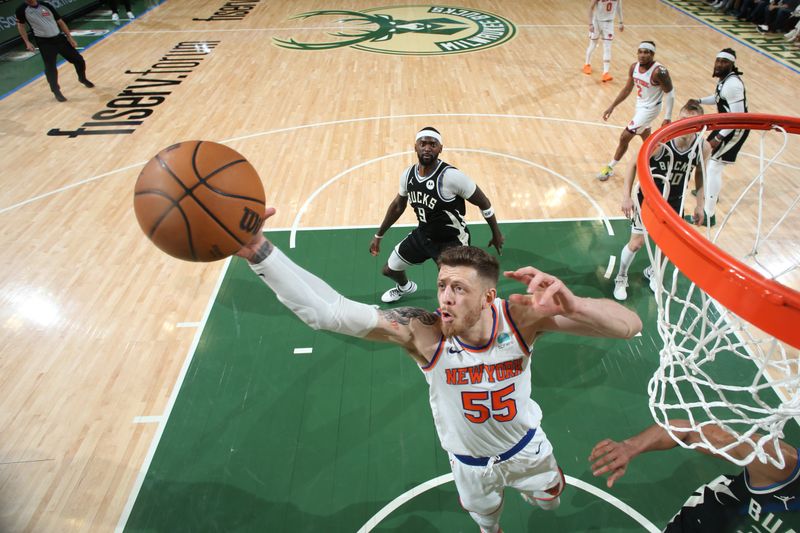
(410,30)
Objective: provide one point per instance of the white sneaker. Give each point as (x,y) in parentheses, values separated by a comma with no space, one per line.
(131,15)
(620,286)
(395,293)
(648,275)
(114,17)
(791,35)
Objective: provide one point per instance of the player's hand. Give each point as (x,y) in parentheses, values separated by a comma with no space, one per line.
(497,241)
(713,143)
(607,113)
(692,101)
(546,293)
(698,215)
(251,249)
(621,26)
(29,46)
(627,207)
(611,456)
(375,246)
(72,41)
(665,122)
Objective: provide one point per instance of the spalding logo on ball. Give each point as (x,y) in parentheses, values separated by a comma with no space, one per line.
(199,201)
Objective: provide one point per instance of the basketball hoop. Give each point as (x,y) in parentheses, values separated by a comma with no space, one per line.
(728,313)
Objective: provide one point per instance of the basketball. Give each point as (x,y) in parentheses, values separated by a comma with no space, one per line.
(199,201)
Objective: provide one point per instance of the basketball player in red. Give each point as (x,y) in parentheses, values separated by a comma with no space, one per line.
(475,352)
(601,26)
(653,84)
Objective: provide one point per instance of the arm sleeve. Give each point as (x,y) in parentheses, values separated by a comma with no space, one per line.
(669,105)
(456,183)
(313,300)
(708,100)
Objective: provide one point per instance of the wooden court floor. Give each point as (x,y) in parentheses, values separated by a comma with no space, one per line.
(96,324)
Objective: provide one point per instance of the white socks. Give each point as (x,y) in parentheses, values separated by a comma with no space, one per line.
(625,259)
(592,46)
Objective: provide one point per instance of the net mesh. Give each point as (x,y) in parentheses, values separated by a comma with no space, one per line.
(716,367)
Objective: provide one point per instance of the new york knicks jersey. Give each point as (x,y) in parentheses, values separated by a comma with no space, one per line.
(647,94)
(605,10)
(440,219)
(481,395)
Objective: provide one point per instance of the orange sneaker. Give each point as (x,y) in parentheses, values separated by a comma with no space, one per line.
(587,69)
(607,77)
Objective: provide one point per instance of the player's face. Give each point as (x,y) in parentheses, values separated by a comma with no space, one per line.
(428,150)
(645,56)
(462,296)
(722,67)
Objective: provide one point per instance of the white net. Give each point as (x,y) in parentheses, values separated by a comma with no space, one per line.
(715,367)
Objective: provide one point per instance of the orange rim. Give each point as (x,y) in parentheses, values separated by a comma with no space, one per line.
(765,303)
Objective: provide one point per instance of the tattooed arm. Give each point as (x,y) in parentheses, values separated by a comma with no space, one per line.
(415,329)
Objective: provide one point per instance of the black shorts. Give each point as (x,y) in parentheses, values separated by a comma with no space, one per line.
(417,248)
(729,148)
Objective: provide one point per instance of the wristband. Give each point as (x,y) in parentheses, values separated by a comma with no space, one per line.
(378,236)
(488,213)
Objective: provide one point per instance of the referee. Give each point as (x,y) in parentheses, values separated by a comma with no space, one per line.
(53,37)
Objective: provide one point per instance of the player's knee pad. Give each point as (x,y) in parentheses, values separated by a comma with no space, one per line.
(395,262)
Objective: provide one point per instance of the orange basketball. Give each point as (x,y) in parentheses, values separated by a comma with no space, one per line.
(199,201)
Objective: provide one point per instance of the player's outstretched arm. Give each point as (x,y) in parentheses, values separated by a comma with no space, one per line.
(551,306)
(627,188)
(611,457)
(393,212)
(623,93)
(480,199)
(321,307)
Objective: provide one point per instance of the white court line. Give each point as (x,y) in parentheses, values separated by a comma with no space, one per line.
(302,351)
(187,324)
(581,191)
(612,260)
(147,419)
(137,485)
(441,480)
(338,122)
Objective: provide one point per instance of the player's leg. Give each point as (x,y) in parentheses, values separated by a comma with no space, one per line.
(622,146)
(607,60)
(725,154)
(608,38)
(480,492)
(593,38)
(534,472)
(410,251)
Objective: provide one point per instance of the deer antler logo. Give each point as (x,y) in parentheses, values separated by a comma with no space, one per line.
(375,31)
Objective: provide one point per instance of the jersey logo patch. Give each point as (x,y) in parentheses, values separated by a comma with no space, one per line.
(430,184)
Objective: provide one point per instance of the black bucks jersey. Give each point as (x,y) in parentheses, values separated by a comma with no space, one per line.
(440,219)
(730,90)
(674,166)
(730,504)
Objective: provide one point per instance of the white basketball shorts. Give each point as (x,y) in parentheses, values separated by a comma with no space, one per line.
(643,117)
(533,470)
(603,29)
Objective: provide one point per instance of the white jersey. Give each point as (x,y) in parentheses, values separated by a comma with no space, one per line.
(647,94)
(481,395)
(605,10)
